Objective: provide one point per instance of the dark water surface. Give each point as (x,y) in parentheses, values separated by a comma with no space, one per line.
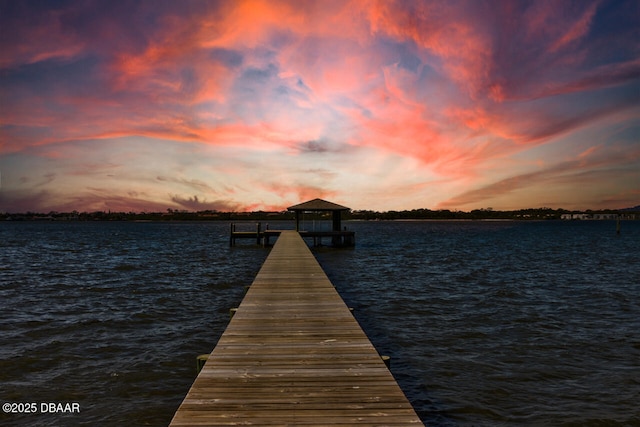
(487,323)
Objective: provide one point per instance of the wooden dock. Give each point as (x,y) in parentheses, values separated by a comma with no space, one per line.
(341,238)
(294,355)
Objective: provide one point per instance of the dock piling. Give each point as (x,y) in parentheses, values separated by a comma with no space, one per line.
(200,361)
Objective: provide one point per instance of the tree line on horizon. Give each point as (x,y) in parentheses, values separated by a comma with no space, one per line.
(543,213)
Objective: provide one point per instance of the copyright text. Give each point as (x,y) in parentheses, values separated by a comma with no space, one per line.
(41,408)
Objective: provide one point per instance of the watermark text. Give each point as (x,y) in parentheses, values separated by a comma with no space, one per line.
(41,407)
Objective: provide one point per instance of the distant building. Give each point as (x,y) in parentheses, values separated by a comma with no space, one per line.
(598,216)
(605,216)
(576,216)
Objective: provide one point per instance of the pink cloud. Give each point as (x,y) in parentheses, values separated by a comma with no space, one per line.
(91,199)
(292,193)
(196,204)
(451,87)
(485,52)
(577,29)
(463,46)
(36,37)
(604,76)
(586,168)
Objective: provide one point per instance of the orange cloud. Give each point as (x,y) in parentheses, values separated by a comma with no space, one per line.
(440,28)
(585,168)
(291,194)
(411,92)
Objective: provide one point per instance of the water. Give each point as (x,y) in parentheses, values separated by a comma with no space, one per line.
(487,323)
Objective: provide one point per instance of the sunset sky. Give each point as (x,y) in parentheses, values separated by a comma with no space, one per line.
(259,105)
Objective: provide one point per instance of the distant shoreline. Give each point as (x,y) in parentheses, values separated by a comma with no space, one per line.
(366,215)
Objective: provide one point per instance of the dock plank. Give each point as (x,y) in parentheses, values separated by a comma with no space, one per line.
(293,354)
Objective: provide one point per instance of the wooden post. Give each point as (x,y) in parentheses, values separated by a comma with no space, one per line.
(336,240)
(258,233)
(200,361)
(386,360)
(336,220)
(231,238)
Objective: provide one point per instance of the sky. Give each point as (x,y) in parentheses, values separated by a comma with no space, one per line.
(152,105)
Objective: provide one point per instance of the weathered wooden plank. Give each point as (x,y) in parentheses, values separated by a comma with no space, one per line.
(293,354)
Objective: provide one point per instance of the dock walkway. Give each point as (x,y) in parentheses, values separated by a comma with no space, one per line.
(293,354)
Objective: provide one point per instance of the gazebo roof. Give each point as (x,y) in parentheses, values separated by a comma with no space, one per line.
(318,205)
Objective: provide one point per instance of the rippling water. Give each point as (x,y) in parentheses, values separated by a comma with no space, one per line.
(487,323)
